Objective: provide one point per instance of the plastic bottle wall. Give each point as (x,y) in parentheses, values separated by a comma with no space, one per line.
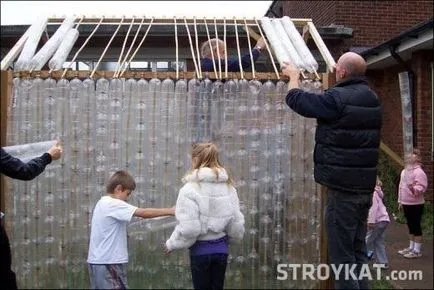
(147,127)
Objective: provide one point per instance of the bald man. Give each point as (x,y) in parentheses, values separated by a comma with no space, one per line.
(346,156)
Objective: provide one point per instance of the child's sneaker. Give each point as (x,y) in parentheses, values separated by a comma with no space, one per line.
(405,251)
(413,255)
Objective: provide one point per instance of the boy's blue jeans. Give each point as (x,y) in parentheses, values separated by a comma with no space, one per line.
(208,271)
(346,222)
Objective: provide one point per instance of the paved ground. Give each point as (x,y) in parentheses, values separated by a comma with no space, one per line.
(397,239)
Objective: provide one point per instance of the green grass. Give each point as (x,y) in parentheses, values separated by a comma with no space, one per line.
(427,220)
(380,284)
(389,174)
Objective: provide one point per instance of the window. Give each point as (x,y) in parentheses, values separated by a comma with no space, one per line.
(157,66)
(140,65)
(77,65)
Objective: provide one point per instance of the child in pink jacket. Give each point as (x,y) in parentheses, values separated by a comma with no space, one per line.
(412,186)
(378,220)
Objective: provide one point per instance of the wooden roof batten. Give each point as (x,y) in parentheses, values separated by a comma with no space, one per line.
(249,26)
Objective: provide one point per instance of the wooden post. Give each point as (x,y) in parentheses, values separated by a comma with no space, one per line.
(395,157)
(328,80)
(305,34)
(324,284)
(6,82)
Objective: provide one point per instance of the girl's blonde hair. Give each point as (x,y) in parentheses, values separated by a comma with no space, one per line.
(418,155)
(379,183)
(206,155)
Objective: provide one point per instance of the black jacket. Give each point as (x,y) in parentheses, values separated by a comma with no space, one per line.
(347,135)
(15,168)
(207,64)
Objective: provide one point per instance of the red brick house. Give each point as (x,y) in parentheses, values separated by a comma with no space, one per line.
(393,36)
(410,51)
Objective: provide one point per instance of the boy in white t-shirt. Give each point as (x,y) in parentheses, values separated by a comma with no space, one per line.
(108,250)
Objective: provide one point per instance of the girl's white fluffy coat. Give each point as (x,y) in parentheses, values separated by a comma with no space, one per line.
(207,208)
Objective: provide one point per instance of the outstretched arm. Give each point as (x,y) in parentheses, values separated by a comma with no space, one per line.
(320,106)
(310,105)
(153,212)
(15,168)
(246,63)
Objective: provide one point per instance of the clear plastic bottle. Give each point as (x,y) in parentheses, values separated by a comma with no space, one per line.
(87,143)
(50,109)
(241,129)
(50,175)
(128,125)
(192,110)
(115,115)
(153,105)
(30,46)
(407,121)
(274,40)
(294,58)
(74,183)
(140,148)
(61,54)
(26,152)
(282,173)
(203,115)
(63,126)
(102,100)
(180,136)
(43,55)
(165,142)
(228,132)
(13,117)
(266,177)
(216,111)
(26,107)
(299,44)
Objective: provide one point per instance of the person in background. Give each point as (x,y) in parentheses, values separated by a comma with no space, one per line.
(218,49)
(347,141)
(16,169)
(378,220)
(412,185)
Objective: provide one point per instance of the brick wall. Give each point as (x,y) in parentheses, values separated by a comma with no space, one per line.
(373,22)
(422,69)
(386,84)
(323,13)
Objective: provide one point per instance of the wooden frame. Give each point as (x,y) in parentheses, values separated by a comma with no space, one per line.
(170,20)
(6,85)
(306,23)
(149,75)
(326,78)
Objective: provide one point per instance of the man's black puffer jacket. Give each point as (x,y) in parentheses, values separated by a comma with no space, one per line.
(347,143)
